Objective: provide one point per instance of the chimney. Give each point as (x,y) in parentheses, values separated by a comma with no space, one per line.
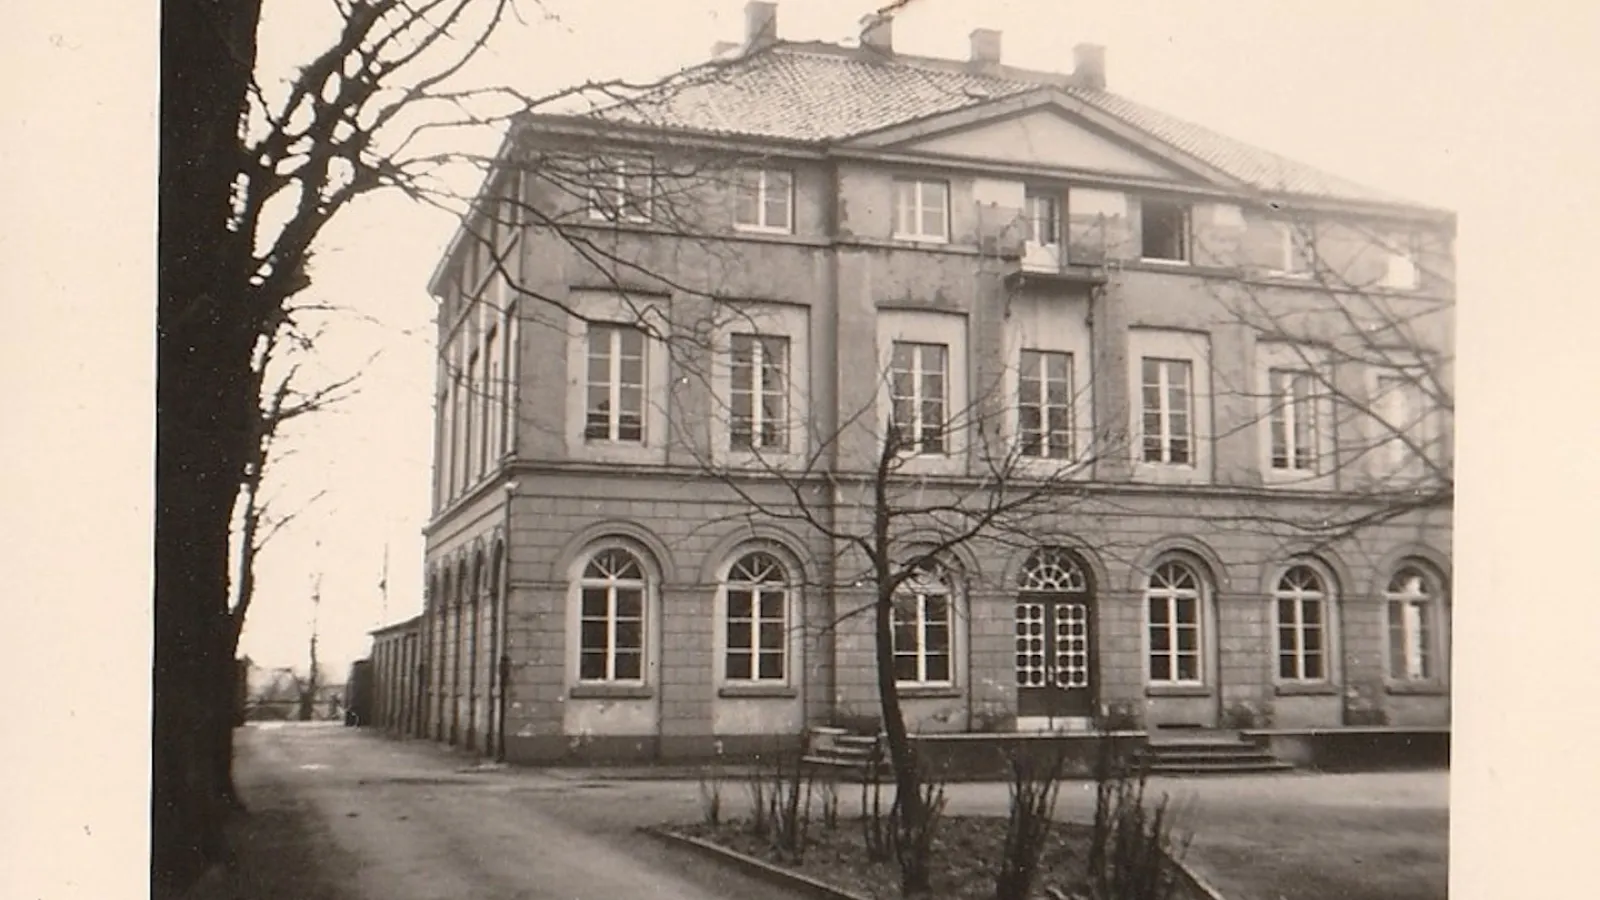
(760,24)
(985,47)
(1089,66)
(877,33)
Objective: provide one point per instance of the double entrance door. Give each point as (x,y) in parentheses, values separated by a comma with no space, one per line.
(1054,674)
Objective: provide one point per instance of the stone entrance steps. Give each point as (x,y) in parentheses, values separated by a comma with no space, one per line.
(1206,752)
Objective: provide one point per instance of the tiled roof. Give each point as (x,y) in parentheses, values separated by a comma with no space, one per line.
(821,93)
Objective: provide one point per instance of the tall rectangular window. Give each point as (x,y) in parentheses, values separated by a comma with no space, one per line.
(491,397)
(1164,230)
(472,438)
(759,392)
(1293,396)
(1294,251)
(1167,411)
(1041,221)
(621,189)
(1400,408)
(616,383)
(1044,404)
(921,210)
(508,391)
(764,200)
(917,393)
(1400,270)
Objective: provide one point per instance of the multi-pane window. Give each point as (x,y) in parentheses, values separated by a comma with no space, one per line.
(615,403)
(1044,404)
(1164,230)
(1041,219)
(1293,396)
(757,619)
(472,438)
(1412,603)
(1400,265)
(1294,259)
(1167,411)
(917,393)
(922,627)
(494,385)
(1400,405)
(921,210)
(620,189)
(611,641)
(508,389)
(1302,625)
(759,393)
(763,200)
(1174,596)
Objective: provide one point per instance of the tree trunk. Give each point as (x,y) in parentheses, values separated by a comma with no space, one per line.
(907,774)
(205,333)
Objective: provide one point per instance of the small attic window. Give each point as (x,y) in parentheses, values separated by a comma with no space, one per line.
(1164,230)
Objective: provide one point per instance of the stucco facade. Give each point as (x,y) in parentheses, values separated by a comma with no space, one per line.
(525,515)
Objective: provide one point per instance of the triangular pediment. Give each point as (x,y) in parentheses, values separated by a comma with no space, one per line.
(1043,137)
(1046,129)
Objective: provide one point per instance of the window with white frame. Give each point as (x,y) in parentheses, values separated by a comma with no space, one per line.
(1044,404)
(759,393)
(763,200)
(1163,230)
(1302,599)
(1293,398)
(1173,596)
(1294,250)
(757,619)
(921,210)
(621,189)
(611,625)
(1401,410)
(508,387)
(1400,265)
(1413,601)
(493,419)
(1041,220)
(616,384)
(1167,411)
(918,396)
(923,623)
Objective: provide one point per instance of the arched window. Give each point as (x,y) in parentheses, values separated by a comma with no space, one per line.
(1302,601)
(756,620)
(611,618)
(923,622)
(1053,569)
(1173,595)
(1413,597)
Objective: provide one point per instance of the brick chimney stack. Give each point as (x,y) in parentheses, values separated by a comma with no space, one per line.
(877,33)
(1089,66)
(760,24)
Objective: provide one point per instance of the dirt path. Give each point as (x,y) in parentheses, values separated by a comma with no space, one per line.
(402,821)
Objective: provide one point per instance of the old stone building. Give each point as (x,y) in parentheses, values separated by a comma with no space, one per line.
(1237,363)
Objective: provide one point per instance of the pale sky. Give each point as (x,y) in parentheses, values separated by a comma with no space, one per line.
(1484,106)
(1390,94)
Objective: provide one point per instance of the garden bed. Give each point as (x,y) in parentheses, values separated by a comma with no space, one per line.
(966,853)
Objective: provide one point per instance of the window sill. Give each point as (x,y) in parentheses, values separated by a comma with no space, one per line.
(1418,688)
(1315,689)
(762,229)
(1164,263)
(758,691)
(1177,690)
(586,691)
(920,239)
(928,691)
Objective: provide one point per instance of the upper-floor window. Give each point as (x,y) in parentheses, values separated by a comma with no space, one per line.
(759,393)
(921,210)
(1044,404)
(1401,408)
(918,375)
(1163,230)
(1294,251)
(616,384)
(1167,411)
(763,200)
(621,189)
(1293,399)
(1041,221)
(1400,265)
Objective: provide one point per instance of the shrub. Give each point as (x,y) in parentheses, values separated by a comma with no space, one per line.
(1034,788)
